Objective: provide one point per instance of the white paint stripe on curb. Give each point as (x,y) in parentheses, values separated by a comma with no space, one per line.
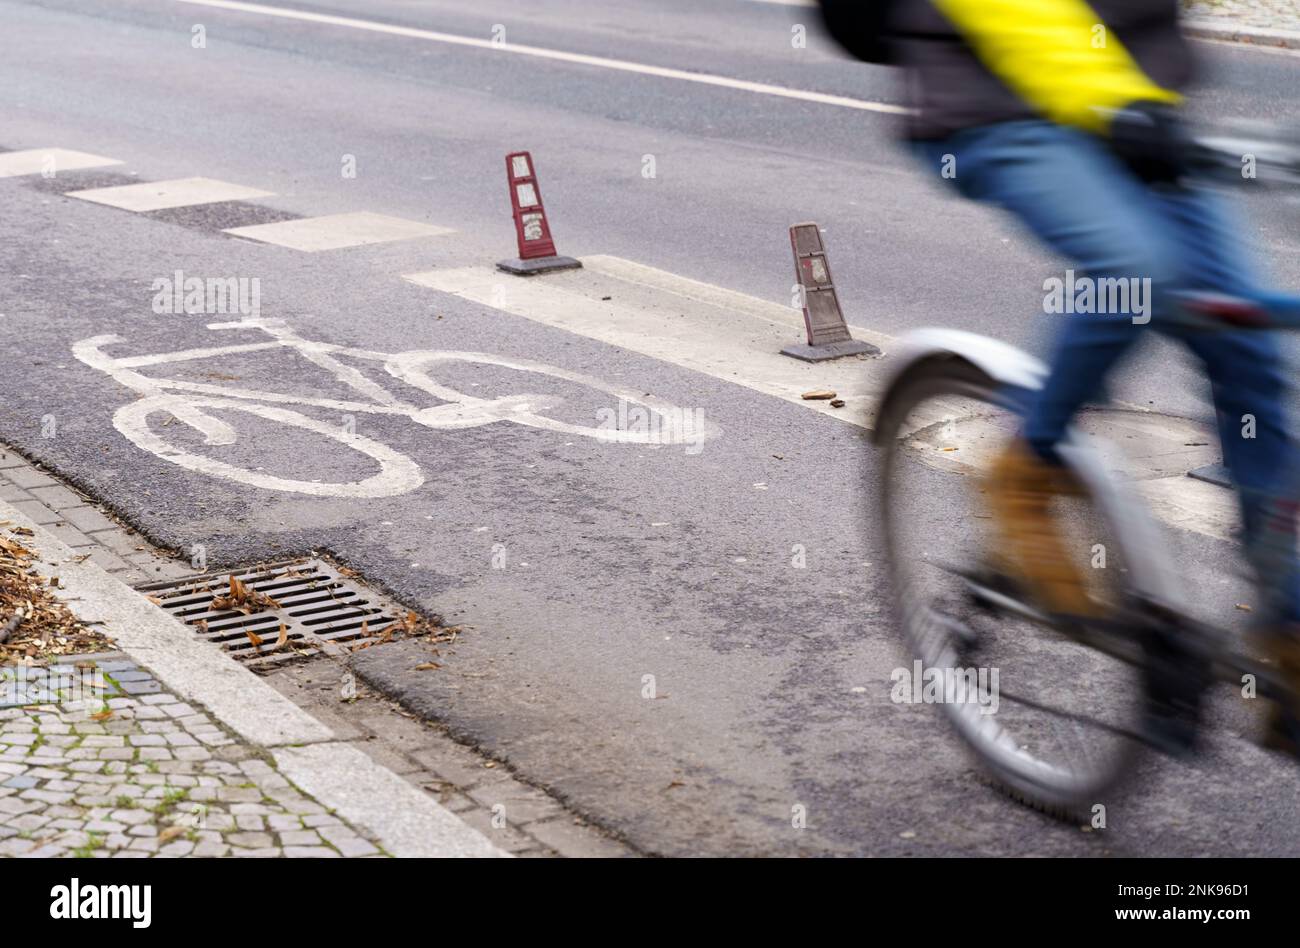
(581,59)
(196,670)
(405,821)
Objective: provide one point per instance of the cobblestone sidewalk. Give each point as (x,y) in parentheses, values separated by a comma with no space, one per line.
(1263,14)
(126,769)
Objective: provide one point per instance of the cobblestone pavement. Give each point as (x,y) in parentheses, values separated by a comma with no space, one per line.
(126,769)
(1267,14)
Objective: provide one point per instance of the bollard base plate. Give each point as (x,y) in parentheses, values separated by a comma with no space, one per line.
(520,267)
(831,350)
(1212,474)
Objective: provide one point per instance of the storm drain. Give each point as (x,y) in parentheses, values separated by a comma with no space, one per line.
(295,609)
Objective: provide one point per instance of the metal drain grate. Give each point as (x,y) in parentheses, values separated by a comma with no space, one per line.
(321,610)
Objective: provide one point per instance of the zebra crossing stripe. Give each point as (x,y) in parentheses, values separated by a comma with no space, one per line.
(49,161)
(335,231)
(160,195)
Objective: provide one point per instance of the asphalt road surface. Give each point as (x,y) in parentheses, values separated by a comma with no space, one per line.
(734,575)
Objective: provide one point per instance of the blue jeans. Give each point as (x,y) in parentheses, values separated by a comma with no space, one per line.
(1083,202)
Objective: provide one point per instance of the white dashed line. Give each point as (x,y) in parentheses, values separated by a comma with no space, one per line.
(335,231)
(160,195)
(49,161)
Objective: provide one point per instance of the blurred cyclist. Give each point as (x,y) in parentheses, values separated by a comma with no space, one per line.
(1065,113)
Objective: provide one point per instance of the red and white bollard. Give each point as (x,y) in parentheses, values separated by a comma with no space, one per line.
(532,231)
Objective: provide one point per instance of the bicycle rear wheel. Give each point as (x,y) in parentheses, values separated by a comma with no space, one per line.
(1057,728)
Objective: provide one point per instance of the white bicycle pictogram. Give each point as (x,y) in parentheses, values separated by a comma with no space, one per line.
(190,402)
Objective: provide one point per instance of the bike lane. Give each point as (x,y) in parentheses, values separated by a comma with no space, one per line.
(689,642)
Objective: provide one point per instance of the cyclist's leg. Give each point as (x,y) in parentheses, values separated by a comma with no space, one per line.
(1250,396)
(1081,202)
(1250,390)
(1245,371)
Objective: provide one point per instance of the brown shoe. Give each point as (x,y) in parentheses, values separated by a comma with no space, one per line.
(1020,487)
(1282,727)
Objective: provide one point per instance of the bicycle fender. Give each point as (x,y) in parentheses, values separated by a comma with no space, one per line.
(1002,361)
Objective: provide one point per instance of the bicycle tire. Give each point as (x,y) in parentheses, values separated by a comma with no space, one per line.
(1067,793)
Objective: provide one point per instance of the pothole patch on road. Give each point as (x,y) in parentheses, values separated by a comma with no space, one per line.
(265,615)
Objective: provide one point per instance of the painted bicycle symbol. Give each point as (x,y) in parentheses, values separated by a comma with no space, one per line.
(190,403)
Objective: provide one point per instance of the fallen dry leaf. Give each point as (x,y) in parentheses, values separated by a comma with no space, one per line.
(243,598)
(45,628)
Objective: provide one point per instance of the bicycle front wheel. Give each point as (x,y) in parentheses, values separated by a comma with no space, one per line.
(1057,727)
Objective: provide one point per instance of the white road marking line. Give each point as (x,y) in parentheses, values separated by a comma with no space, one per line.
(160,195)
(727,335)
(602,62)
(736,337)
(334,231)
(49,161)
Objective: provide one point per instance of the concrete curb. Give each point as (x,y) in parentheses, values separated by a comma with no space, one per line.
(402,820)
(365,794)
(1203,28)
